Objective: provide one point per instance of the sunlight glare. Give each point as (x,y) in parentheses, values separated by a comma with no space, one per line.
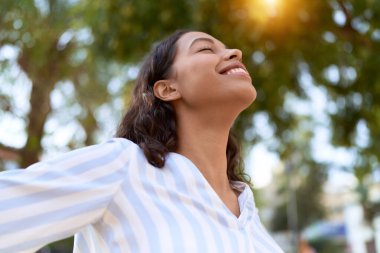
(271,6)
(271,3)
(263,10)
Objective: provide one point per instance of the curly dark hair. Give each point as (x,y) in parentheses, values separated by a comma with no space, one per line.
(151,123)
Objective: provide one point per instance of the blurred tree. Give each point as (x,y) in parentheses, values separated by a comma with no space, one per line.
(53,47)
(301,185)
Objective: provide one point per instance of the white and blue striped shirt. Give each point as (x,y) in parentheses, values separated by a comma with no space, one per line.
(114,201)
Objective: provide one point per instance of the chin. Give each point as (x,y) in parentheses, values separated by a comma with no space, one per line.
(248,96)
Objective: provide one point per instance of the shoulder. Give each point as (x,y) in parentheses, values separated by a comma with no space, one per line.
(110,151)
(120,143)
(117,149)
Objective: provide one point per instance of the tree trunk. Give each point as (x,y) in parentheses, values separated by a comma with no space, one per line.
(44,75)
(40,109)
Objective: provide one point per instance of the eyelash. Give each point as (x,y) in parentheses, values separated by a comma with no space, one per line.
(205,49)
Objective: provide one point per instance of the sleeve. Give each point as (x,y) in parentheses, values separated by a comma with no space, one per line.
(52,200)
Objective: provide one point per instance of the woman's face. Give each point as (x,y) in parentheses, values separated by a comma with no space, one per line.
(208,74)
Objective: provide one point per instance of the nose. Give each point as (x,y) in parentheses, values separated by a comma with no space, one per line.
(233,54)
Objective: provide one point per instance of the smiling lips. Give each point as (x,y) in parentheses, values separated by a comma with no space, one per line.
(235,68)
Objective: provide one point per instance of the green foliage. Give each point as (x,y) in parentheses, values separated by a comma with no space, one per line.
(125,30)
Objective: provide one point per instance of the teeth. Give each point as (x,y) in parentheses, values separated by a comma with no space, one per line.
(235,70)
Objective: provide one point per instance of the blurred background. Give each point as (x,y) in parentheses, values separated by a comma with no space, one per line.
(311,139)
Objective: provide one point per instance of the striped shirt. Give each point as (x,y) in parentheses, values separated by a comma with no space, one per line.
(114,201)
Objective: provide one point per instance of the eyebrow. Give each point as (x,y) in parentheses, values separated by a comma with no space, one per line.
(204,39)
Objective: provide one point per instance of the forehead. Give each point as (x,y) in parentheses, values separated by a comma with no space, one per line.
(186,40)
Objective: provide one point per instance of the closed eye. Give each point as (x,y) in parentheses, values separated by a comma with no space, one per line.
(205,49)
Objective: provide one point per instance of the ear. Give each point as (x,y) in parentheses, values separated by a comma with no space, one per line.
(166,90)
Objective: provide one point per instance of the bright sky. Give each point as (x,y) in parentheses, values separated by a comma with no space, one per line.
(261,163)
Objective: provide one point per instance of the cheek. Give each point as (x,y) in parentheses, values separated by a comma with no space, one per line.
(200,65)
(195,77)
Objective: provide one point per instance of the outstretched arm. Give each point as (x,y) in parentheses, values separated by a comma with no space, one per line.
(52,200)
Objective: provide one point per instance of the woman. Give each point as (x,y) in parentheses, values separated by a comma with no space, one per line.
(170,182)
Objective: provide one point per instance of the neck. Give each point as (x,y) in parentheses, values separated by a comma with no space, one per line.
(204,142)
